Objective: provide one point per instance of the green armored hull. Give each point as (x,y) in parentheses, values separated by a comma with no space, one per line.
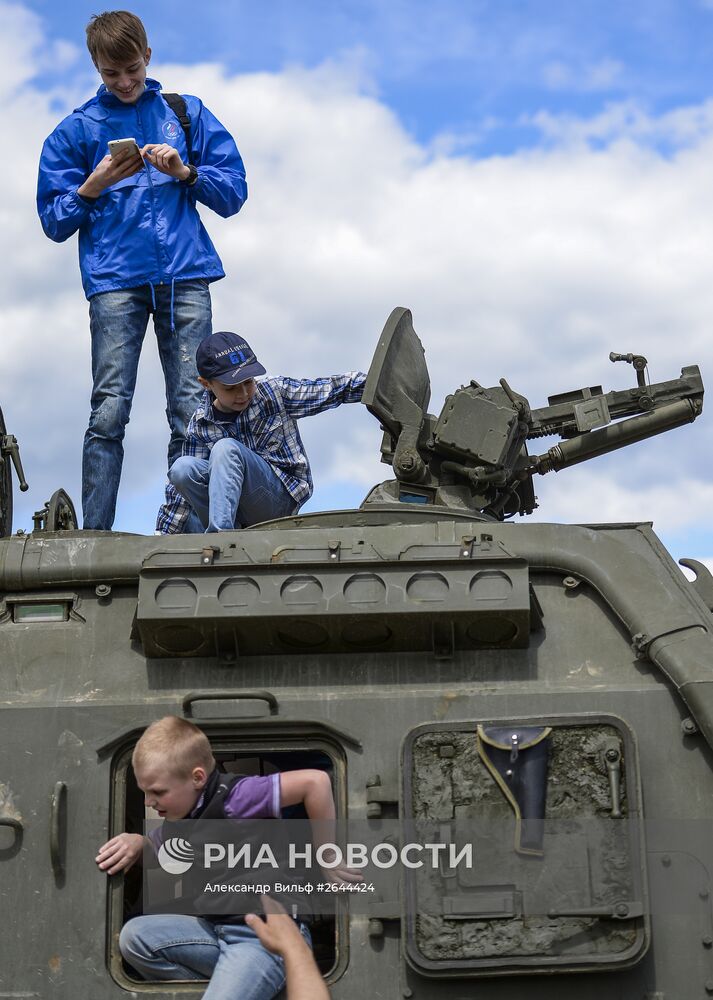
(542,693)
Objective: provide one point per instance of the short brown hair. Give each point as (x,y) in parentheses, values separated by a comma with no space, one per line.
(175,744)
(117,35)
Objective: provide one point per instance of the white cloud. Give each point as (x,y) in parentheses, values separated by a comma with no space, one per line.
(594,495)
(533,266)
(602,75)
(627,121)
(20,40)
(25,52)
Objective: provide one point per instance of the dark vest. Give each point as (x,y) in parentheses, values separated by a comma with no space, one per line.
(223,906)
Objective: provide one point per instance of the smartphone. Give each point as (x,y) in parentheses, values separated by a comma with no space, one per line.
(116,145)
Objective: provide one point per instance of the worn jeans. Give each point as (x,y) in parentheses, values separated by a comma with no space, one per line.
(118,322)
(170,947)
(233,488)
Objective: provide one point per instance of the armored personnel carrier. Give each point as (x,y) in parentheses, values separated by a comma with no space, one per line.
(539,694)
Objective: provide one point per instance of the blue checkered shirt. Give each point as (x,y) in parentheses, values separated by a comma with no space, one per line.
(269,428)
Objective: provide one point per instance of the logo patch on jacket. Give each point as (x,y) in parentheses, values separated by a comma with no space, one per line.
(171,130)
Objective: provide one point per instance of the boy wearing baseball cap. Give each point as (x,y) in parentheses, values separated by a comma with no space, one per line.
(243,461)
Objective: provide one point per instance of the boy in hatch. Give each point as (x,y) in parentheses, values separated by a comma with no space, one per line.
(175,769)
(243,461)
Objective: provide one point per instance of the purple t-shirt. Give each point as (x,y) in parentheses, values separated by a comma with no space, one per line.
(254,797)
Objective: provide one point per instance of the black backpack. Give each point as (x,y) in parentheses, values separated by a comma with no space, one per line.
(177,104)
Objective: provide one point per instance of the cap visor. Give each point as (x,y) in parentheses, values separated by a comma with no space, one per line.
(241,374)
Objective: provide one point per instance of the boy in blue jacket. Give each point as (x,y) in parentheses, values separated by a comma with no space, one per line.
(142,247)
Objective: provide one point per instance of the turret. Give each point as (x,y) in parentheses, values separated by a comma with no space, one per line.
(473,456)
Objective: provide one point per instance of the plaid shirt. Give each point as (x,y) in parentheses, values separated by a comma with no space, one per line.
(268,427)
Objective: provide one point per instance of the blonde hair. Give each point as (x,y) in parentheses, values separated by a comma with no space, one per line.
(117,35)
(175,744)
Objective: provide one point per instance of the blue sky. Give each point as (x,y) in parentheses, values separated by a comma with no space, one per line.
(480,69)
(531,178)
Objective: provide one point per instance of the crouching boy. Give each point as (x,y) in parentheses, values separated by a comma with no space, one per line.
(243,460)
(175,769)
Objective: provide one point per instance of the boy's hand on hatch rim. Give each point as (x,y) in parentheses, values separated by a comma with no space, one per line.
(120,853)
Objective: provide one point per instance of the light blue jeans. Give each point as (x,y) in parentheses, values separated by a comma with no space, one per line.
(118,322)
(233,488)
(170,947)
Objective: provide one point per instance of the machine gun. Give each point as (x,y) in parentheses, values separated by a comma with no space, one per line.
(474,454)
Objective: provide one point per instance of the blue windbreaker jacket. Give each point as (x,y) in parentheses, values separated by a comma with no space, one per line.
(145,229)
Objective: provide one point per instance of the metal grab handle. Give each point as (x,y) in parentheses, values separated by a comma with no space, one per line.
(14,824)
(612,757)
(59,796)
(267,696)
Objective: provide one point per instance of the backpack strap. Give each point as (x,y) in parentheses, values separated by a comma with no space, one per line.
(178,105)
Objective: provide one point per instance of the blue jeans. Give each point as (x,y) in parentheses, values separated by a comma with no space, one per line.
(118,322)
(170,947)
(233,488)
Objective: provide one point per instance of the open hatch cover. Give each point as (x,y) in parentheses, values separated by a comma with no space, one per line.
(552,807)
(398,389)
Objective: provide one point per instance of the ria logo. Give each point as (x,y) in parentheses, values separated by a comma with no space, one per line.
(175,856)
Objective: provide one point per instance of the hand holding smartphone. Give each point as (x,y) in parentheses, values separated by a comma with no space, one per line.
(116,145)
(124,159)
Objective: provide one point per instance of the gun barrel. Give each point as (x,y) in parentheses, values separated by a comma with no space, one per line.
(560,416)
(619,435)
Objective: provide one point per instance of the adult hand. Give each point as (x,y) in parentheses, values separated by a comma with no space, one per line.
(110,170)
(120,853)
(281,935)
(278,932)
(167,159)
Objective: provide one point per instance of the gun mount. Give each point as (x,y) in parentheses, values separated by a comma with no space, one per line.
(58,513)
(474,455)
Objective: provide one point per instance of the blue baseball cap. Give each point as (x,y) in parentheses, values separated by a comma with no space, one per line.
(227,357)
